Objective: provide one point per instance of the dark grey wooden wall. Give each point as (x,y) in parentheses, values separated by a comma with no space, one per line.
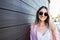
(16,17)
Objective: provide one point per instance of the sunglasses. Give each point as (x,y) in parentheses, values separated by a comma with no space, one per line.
(45,14)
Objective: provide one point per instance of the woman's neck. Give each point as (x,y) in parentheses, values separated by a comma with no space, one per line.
(42,23)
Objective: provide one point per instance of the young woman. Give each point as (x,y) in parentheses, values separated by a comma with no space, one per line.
(42,29)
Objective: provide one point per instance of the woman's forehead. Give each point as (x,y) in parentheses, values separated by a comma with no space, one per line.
(43,10)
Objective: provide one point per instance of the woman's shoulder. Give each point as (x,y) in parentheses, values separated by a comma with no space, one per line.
(53,27)
(34,25)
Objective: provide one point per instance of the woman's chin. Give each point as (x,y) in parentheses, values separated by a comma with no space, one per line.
(42,19)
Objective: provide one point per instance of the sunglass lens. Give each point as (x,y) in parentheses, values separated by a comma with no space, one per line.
(46,14)
(40,13)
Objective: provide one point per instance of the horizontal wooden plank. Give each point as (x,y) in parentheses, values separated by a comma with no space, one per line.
(17,6)
(31,3)
(15,33)
(8,18)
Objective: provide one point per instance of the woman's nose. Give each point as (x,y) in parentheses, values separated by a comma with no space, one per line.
(43,15)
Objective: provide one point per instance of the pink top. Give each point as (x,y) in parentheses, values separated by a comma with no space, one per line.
(33,32)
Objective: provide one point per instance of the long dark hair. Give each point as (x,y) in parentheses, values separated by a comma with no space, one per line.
(37,18)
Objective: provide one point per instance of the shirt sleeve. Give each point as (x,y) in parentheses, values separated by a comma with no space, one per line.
(31,32)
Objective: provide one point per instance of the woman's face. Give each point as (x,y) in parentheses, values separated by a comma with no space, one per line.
(43,13)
